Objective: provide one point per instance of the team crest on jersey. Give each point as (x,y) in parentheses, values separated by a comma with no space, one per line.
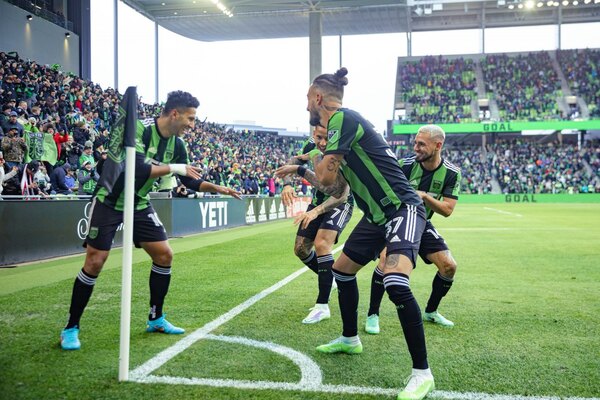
(333,135)
(93,234)
(437,185)
(414,183)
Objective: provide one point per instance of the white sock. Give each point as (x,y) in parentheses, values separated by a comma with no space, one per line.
(323,307)
(422,372)
(351,339)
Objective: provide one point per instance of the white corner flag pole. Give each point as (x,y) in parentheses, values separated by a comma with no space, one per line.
(127,261)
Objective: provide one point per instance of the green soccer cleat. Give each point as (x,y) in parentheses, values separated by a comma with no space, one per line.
(163,326)
(417,387)
(69,339)
(372,324)
(340,345)
(437,318)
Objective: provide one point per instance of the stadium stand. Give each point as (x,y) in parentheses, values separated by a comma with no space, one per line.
(438,89)
(62,110)
(525,87)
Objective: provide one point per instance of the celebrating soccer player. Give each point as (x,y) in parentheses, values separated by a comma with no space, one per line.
(394,217)
(161,145)
(320,226)
(437,182)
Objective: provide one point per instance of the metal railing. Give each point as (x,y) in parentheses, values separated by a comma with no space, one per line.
(34,7)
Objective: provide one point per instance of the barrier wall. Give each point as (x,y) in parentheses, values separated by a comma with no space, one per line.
(34,230)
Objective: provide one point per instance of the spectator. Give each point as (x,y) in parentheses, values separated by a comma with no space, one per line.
(87,178)
(13,147)
(58,179)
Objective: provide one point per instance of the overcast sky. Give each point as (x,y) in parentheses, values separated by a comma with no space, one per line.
(264,82)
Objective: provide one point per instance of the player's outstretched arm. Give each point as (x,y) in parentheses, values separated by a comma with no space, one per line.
(211,187)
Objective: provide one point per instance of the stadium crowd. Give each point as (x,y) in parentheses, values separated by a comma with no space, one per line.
(525,87)
(438,89)
(54,126)
(580,68)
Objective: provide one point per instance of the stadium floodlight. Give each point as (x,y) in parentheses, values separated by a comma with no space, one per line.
(511,6)
(520,6)
(501,3)
(29,17)
(540,4)
(565,2)
(67,34)
(549,3)
(428,10)
(529,4)
(575,2)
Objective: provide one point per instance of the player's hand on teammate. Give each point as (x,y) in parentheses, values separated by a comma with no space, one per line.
(287,195)
(229,192)
(286,170)
(305,219)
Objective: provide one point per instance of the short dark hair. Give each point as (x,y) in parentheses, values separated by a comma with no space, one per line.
(179,99)
(332,84)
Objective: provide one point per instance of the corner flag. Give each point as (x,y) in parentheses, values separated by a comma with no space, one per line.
(122,135)
(121,155)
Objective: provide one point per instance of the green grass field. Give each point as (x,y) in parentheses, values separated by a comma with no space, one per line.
(525,303)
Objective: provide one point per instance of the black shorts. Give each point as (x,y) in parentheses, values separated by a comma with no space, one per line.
(105,221)
(431,242)
(401,235)
(335,220)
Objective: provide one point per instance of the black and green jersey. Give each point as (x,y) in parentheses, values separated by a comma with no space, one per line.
(444,181)
(370,166)
(152,148)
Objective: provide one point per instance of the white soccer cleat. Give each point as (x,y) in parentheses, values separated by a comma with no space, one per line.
(317,314)
(417,387)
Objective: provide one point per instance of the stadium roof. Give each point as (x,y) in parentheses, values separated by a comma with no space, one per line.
(256,19)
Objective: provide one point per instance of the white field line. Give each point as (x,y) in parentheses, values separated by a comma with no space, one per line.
(491,229)
(167,354)
(502,211)
(311,375)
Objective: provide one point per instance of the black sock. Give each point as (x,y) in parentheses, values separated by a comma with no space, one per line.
(160,277)
(377,291)
(82,291)
(311,262)
(410,317)
(439,287)
(325,278)
(348,299)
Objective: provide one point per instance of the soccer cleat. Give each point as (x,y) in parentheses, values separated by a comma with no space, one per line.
(318,313)
(437,318)
(163,326)
(340,346)
(417,387)
(69,339)
(372,324)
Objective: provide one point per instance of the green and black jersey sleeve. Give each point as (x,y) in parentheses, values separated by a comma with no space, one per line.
(151,148)
(442,182)
(370,166)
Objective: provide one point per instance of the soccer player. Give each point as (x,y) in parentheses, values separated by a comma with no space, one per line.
(394,216)
(437,182)
(320,226)
(161,145)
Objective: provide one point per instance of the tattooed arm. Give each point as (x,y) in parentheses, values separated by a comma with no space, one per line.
(326,206)
(327,170)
